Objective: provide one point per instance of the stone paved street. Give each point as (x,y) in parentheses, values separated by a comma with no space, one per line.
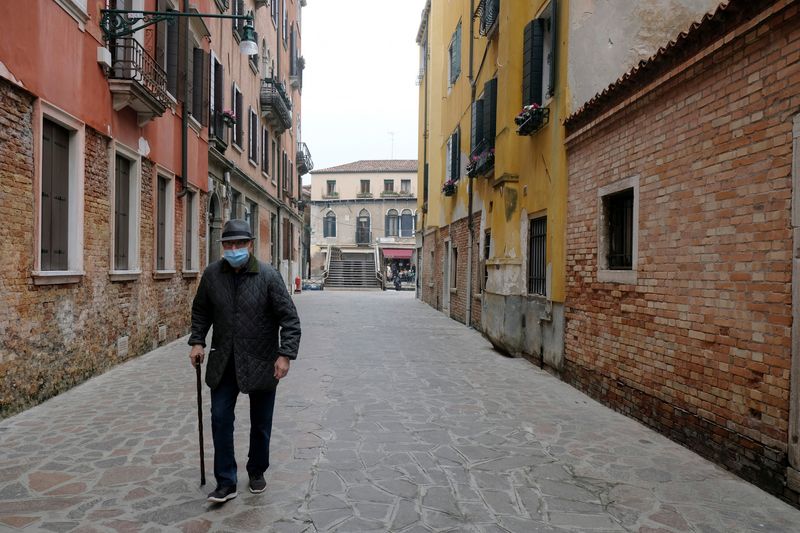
(394,418)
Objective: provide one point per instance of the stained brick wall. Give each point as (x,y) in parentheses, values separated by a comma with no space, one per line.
(458,233)
(699,348)
(52,337)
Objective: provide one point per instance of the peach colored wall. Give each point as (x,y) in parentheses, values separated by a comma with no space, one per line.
(43,48)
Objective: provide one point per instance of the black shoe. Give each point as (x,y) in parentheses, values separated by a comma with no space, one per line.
(257,484)
(222,494)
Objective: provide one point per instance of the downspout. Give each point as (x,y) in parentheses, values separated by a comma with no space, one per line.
(185,113)
(425,177)
(470,223)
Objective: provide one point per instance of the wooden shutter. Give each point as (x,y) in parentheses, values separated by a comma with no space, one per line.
(188,223)
(205,94)
(455,156)
(239,118)
(161,39)
(527,63)
(553,46)
(476,129)
(490,112)
(122,202)
(457,52)
(55,196)
(537,61)
(196,93)
(161,216)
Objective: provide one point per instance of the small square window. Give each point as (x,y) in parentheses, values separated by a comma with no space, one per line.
(617,232)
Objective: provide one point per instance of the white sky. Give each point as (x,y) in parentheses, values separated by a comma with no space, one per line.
(359,83)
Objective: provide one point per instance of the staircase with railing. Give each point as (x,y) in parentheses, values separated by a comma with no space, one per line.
(344,272)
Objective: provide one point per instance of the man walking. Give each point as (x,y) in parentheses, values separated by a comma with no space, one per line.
(256,334)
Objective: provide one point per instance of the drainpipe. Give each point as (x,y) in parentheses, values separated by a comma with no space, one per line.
(470,223)
(425,176)
(185,113)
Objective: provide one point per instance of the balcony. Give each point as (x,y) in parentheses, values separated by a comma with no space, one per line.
(364,195)
(303,159)
(219,132)
(276,108)
(488,12)
(481,160)
(136,81)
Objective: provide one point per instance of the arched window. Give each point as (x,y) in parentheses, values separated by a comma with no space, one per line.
(363,233)
(406,223)
(329,225)
(392,223)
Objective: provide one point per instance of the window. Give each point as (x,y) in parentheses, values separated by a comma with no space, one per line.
(331,190)
(273,6)
(77,10)
(618,213)
(165,224)
(238,24)
(364,186)
(285,29)
(487,247)
(405,186)
(537,256)
(285,170)
(253,137)
(236,204)
(264,150)
(168,37)
(454,55)
(388,185)
(406,223)
(454,267)
(453,161)
(200,73)
(392,223)
(239,113)
(274,161)
(60,202)
(125,173)
(273,234)
(191,244)
(252,218)
(216,99)
(329,225)
(539,57)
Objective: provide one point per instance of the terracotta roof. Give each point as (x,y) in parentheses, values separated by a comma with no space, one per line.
(728,15)
(372,165)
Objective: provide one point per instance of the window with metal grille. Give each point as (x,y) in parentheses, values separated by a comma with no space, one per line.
(329,226)
(619,216)
(161,225)
(487,246)
(537,256)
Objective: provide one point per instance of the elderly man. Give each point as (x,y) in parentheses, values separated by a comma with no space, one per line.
(256,334)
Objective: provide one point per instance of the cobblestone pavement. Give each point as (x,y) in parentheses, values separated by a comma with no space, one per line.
(394,418)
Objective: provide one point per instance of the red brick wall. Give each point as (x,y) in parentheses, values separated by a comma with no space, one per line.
(52,337)
(458,233)
(700,347)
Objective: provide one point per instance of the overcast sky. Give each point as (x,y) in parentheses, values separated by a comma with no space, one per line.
(359,83)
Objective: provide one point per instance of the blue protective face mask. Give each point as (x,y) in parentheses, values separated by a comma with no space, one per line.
(236,257)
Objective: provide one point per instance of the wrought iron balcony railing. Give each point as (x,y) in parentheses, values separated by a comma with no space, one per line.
(136,80)
(304,162)
(488,12)
(481,160)
(276,108)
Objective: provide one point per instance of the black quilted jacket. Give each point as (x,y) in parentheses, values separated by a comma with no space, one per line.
(248,317)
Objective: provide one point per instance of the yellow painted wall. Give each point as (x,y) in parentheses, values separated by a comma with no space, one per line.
(530,172)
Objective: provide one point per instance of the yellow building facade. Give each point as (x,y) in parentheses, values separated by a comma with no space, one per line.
(493,95)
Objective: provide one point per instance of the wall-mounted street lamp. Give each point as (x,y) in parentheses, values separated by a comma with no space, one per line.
(117,23)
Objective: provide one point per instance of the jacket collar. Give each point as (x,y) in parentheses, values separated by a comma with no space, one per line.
(252,265)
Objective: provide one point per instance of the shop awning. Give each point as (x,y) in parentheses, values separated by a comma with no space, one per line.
(397,253)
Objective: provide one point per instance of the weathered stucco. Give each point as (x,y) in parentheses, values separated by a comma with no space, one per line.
(609,37)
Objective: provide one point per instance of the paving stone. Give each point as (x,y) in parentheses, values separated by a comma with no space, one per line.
(440,498)
(369,493)
(405,515)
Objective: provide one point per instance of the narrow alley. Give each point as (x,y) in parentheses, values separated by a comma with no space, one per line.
(393,418)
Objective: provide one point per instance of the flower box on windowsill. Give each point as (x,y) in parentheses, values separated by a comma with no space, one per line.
(384,194)
(532,119)
(480,163)
(364,195)
(449,188)
(331,196)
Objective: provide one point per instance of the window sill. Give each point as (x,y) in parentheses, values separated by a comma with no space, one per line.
(189,274)
(253,67)
(124,275)
(254,163)
(56,277)
(195,124)
(75,11)
(453,290)
(630,277)
(163,274)
(237,147)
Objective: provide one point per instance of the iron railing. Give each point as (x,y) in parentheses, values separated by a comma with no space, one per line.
(363,236)
(488,12)
(275,105)
(304,162)
(132,62)
(219,131)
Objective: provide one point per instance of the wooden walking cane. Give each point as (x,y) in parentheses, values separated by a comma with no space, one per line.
(200,425)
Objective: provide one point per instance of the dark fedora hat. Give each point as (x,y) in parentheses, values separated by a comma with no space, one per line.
(236,230)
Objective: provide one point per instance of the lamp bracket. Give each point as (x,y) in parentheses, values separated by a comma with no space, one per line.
(117,23)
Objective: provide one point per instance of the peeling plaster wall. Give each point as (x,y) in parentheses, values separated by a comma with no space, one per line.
(609,37)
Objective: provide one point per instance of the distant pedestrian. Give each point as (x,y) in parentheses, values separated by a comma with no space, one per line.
(256,334)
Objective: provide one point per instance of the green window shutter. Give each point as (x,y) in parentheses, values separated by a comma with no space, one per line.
(490,112)
(527,63)
(553,47)
(476,129)
(537,61)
